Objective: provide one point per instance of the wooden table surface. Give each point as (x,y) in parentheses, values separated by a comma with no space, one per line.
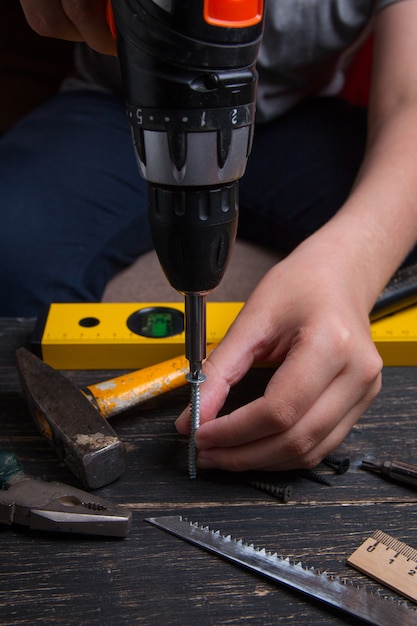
(154,578)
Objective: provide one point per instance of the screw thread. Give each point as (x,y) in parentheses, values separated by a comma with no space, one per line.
(282,493)
(194,421)
(194,424)
(314,476)
(340,465)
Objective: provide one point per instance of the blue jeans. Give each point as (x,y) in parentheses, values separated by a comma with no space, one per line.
(73,205)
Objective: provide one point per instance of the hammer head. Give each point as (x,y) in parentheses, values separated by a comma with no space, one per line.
(79,434)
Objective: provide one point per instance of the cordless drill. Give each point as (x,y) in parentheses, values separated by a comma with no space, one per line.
(189,77)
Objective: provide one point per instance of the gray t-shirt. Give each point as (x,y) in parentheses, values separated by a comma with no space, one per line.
(305,48)
(307,45)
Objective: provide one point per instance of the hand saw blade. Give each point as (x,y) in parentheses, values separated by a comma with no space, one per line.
(372,608)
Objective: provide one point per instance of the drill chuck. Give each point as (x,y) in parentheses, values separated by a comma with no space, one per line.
(193,229)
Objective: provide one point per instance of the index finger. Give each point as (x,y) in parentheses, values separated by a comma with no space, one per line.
(292,390)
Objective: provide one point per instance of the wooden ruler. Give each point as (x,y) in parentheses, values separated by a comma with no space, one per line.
(389,561)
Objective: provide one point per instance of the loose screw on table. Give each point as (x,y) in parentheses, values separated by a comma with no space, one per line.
(340,465)
(282,493)
(314,476)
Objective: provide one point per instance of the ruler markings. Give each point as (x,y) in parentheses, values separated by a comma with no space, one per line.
(389,561)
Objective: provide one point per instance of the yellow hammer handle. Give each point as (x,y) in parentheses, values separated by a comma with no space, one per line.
(118,394)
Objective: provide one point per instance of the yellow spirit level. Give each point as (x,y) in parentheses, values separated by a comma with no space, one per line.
(395,336)
(136,335)
(120,336)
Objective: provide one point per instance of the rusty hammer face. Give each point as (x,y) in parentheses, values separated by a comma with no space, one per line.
(81,437)
(73,419)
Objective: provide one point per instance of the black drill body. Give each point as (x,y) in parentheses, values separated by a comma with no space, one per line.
(190,90)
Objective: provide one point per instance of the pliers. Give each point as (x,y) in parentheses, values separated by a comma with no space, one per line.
(55,506)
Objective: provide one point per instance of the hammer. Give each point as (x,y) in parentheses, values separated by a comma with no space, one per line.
(72,421)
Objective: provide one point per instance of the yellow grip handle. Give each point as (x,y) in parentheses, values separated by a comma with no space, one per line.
(118,394)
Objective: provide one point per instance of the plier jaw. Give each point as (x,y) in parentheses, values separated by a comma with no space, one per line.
(57,507)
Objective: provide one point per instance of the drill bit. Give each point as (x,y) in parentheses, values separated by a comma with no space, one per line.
(195,342)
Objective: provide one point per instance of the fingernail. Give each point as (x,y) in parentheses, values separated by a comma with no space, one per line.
(204,462)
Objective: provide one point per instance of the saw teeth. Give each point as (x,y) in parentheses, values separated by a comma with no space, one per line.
(272,560)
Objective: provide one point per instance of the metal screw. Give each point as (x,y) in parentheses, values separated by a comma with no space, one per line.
(282,493)
(340,465)
(194,421)
(314,476)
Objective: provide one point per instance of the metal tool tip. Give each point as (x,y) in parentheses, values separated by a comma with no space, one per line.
(372,466)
